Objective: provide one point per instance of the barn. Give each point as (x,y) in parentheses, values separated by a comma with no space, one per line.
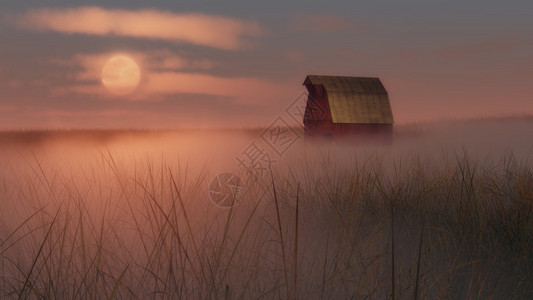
(347,108)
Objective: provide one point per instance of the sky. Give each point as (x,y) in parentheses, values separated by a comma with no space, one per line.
(242,63)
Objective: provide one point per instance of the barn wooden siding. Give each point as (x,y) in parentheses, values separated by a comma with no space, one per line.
(352,108)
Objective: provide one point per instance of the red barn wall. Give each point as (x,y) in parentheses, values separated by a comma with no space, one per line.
(317,108)
(319,125)
(326,130)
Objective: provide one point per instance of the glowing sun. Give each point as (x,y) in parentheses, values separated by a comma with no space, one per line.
(121,75)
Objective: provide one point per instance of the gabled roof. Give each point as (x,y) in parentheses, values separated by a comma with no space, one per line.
(347,84)
(361,100)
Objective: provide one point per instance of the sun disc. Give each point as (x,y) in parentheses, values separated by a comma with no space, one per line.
(121,75)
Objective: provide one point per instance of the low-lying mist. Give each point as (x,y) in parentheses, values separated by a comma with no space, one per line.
(445,211)
(481,139)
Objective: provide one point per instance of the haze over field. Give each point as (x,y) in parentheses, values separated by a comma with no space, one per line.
(480,137)
(446,207)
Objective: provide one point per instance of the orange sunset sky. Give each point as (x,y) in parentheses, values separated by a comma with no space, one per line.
(240,64)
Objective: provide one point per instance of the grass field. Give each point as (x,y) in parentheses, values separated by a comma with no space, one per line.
(446,212)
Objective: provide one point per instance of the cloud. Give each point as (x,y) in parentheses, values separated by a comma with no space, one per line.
(197,29)
(317,23)
(166,60)
(244,89)
(90,65)
(165,73)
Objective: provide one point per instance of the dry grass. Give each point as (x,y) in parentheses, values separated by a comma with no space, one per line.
(367,226)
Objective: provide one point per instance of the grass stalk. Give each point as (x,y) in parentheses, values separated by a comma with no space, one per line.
(280,235)
(39,252)
(393,286)
(415,295)
(295,288)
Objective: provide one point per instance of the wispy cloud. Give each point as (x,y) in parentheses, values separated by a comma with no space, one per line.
(197,29)
(244,89)
(90,65)
(320,23)
(166,73)
(165,60)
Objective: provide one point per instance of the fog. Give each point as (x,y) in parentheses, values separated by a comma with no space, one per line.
(130,191)
(83,158)
(481,139)
(74,155)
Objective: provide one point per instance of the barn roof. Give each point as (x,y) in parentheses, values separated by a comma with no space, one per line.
(360,100)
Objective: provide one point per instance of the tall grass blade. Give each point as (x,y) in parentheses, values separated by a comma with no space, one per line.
(295,288)
(118,282)
(27,280)
(280,234)
(415,296)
